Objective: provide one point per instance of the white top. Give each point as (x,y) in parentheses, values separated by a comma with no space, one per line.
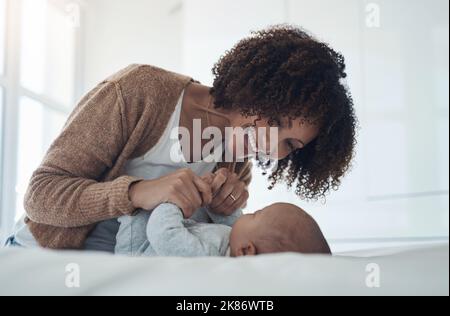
(159,161)
(153,165)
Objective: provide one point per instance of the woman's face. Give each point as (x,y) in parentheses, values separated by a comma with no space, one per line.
(290,136)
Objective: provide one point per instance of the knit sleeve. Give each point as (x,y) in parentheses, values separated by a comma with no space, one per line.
(64,191)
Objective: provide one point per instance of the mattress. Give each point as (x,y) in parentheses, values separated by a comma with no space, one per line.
(399,271)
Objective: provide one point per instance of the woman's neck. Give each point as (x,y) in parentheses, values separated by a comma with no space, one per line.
(198,105)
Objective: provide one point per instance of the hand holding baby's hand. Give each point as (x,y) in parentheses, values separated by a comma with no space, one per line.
(216,180)
(209,178)
(229,192)
(182,188)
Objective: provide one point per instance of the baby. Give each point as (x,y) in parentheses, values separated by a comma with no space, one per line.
(165,232)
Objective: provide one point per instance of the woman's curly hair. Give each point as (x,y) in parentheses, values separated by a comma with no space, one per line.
(285,72)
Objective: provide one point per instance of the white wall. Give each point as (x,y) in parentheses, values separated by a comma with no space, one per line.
(398,74)
(118,33)
(212,27)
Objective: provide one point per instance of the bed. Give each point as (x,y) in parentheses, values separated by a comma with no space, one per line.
(400,271)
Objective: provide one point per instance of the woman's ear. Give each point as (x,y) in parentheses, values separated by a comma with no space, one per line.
(248,250)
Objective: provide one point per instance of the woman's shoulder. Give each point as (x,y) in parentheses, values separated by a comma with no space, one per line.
(150,85)
(140,75)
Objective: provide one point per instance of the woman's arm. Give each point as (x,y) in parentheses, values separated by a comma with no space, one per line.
(64,191)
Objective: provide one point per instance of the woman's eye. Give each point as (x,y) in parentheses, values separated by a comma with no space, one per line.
(294,145)
(291,146)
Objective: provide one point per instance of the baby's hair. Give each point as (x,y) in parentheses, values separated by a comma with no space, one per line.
(300,233)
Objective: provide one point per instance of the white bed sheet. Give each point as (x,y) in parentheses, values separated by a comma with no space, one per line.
(404,271)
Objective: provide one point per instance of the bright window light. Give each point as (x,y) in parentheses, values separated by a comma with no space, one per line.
(48,50)
(2,35)
(38,127)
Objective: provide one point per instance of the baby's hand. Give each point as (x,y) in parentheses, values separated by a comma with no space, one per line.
(216,180)
(229,193)
(209,178)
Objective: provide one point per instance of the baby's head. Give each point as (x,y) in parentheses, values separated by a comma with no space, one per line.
(277,228)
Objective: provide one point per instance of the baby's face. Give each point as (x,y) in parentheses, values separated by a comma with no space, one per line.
(277,228)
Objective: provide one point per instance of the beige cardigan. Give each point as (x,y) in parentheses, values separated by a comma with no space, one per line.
(80,181)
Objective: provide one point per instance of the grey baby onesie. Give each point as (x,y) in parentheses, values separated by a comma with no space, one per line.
(164,232)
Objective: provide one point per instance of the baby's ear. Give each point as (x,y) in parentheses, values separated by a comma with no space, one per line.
(249,250)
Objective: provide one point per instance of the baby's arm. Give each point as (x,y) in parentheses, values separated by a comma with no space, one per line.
(225,220)
(169,237)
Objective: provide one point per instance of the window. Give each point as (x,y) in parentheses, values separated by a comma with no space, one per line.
(2,83)
(1,137)
(38,126)
(38,70)
(47,51)
(2,35)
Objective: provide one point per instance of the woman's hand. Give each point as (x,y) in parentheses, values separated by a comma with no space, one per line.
(182,188)
(229,192)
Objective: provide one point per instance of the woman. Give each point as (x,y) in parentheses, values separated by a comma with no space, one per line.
(112,156)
